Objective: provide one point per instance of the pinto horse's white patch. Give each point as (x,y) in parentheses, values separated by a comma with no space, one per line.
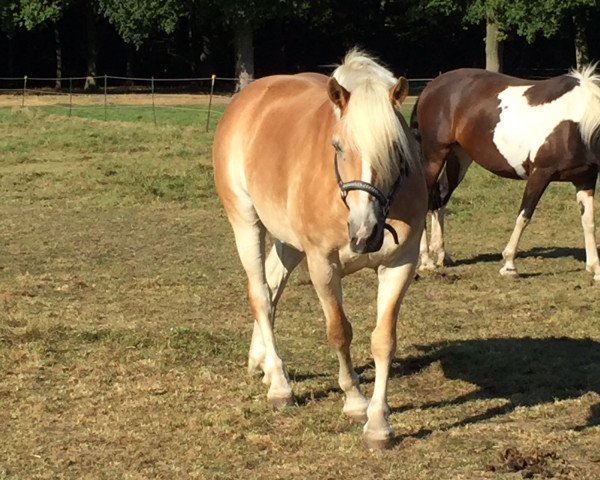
(523,129)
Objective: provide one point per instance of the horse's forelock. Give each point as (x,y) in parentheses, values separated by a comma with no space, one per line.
(370,119)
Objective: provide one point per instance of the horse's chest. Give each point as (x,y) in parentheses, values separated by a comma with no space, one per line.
(522,128)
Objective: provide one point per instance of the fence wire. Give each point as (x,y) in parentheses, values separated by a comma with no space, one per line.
(105,94)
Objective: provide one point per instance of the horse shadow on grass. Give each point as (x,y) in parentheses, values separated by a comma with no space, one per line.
(523,371)
(542,252)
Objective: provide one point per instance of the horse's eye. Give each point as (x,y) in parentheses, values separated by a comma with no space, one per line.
(337,146)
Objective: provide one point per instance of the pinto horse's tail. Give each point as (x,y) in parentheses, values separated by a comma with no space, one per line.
(435,195)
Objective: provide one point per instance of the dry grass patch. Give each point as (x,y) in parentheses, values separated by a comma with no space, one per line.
(124,330)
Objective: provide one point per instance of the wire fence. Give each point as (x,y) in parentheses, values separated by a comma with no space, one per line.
(72,95)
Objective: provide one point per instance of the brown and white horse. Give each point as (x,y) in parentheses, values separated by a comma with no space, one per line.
(284,150)
(539,131)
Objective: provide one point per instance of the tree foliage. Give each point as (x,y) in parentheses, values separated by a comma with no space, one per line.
(136,20)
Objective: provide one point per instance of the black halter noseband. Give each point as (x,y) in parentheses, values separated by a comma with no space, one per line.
(384,201)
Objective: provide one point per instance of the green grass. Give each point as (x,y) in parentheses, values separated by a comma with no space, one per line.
(124,328)
(184,115)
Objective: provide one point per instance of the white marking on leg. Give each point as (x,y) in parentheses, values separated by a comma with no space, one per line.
(437,236)
(250,247)
(510,251)
(426,263)
(325,276)
(585,199)
(393,283)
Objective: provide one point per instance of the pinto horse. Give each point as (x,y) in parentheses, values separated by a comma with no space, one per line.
(285,149)
(539,131)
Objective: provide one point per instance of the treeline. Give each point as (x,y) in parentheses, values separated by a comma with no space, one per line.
(246,38)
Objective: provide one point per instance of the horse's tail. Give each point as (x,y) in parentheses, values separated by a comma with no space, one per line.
(436,200)
(414,123)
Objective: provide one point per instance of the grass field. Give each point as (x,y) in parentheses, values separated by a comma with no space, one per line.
(124,328)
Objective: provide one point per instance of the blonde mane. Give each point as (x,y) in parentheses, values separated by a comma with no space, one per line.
(589,81)
(370,121)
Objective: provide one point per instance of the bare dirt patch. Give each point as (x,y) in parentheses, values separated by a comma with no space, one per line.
(40,100)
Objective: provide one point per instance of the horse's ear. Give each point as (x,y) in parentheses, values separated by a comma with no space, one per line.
(338,94)
(399,92)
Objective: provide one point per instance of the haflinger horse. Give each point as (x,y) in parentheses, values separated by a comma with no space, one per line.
(285,149)
(540,131)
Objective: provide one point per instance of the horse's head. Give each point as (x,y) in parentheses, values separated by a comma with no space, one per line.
(371,146)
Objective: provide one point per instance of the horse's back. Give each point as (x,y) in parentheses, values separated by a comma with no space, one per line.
(273,135)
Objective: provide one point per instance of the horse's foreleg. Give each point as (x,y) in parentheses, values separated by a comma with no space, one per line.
(393,283)
(585,199)
(326,278)
(536,185)
(279,265)
(250,242)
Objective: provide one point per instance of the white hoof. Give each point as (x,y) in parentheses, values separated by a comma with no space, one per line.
(509,272)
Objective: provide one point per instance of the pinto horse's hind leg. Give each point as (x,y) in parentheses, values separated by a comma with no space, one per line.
(536,185)
(279,265)
(585,199)
(326,278)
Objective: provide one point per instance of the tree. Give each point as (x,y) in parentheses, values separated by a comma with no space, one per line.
(243,17)
(528,18)
(33,14)
(136,20)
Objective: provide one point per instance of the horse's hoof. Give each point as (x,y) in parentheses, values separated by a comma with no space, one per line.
(427,266)
(597,277)
(373,444)
(357,416)
(448,261)
(279,403)
(509,272)
(254,368)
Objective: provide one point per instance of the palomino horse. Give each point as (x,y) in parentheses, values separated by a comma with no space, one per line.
(540,131)
(284,150)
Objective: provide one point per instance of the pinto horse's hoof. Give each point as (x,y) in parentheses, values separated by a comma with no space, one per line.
(373,444)
(357,416)
(427,266)
(279,403)
(509,272)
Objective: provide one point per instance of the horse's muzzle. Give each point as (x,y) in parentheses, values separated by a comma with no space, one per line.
(368,244)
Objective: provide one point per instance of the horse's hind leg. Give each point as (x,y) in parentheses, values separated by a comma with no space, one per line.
(585,199)
(250,242)
(279,265)
(326,278)
(536,185)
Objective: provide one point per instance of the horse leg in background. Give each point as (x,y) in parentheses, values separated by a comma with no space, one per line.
(536,185)
(436,247)
(457,164)
(250,242)
(436,177)
(393,283)
(279,265)
(426,263)
(585,199)
(325,274)
(434,255)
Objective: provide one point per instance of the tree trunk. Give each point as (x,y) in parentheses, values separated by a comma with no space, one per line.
(58,83)
(91,49)
(11,56)
(129,66)
(582,52)
(244,54)
(493,46)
